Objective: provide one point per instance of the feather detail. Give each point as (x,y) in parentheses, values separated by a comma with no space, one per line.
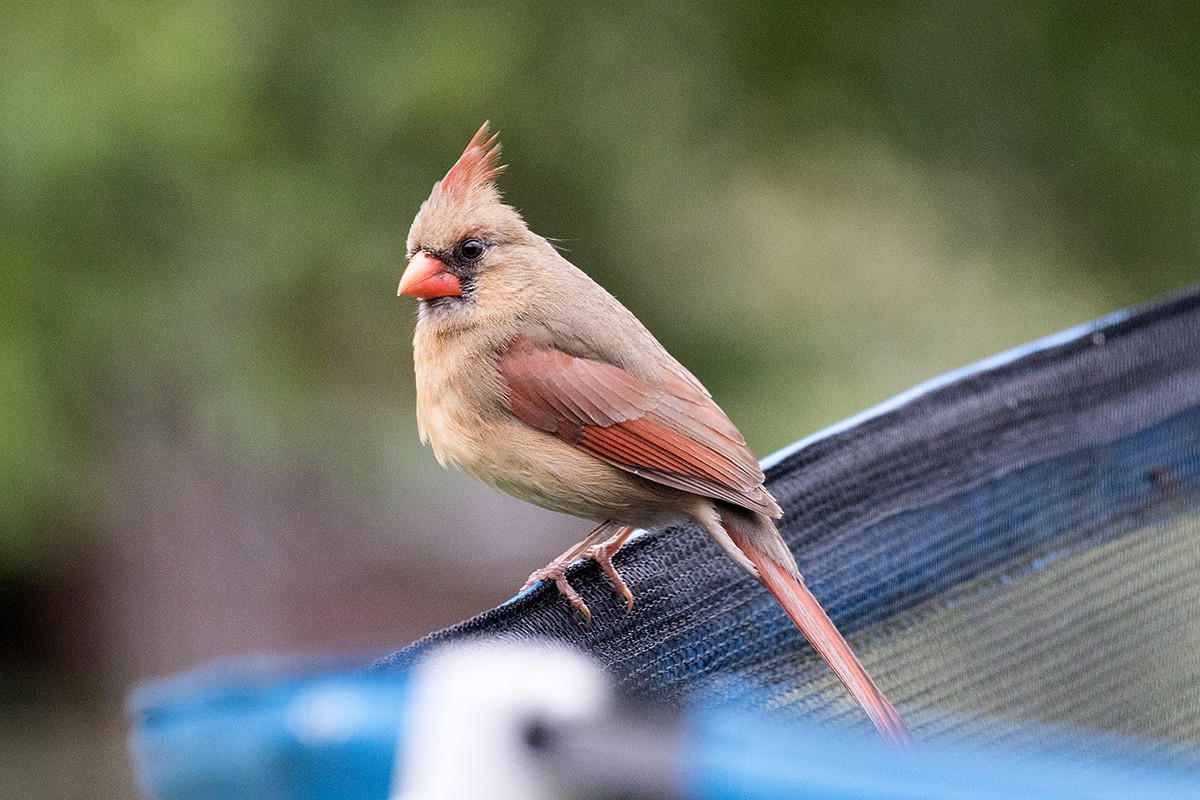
(477,167)
(670,433)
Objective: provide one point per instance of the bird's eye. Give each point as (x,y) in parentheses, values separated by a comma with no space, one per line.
(471,249)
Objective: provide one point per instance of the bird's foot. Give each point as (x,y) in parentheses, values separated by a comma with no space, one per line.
(556,571)
(602,553)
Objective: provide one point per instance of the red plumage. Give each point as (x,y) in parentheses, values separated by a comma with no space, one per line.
(477,167)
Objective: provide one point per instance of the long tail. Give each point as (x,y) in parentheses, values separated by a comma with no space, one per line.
(756,536)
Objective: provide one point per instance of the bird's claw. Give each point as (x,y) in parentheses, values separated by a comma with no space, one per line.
(602,554)
(557,572)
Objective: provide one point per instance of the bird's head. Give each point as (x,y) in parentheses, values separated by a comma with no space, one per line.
(465,237)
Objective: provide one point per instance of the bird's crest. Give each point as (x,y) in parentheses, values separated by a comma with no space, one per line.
(477,167)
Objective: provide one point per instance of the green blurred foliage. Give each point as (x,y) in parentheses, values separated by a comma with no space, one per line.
(203,206)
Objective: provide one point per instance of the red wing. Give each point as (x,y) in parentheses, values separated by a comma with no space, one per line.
(672,433)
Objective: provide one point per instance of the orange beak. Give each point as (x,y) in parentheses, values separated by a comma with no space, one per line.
(427,278)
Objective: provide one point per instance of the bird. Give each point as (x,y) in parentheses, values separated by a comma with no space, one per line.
(534,379)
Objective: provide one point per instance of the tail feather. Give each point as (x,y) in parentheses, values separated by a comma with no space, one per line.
(781,578)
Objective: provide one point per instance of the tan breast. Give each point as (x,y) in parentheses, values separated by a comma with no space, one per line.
(454,410)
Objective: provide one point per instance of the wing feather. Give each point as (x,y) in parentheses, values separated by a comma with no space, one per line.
(670,432)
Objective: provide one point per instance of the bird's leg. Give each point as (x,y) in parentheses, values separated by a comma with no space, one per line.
(599,545)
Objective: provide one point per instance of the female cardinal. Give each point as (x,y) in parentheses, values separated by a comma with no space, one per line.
(535,380)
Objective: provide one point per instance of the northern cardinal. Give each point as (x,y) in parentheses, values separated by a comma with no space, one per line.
(534,379)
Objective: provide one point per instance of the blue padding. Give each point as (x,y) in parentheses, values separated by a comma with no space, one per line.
(742,756)
(255,729)
(267,729)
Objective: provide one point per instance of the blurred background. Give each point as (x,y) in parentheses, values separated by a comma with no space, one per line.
(207,437)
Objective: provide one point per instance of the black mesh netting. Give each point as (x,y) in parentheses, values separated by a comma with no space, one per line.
(1016,544)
